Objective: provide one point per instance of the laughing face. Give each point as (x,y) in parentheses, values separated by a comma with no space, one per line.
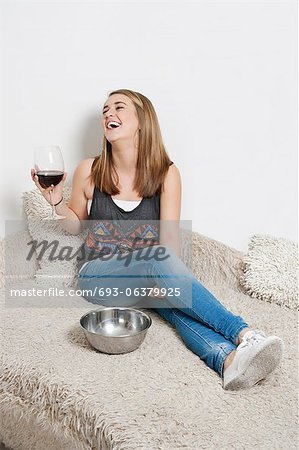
(119,120)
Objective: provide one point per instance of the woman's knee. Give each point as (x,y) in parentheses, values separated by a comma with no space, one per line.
(163,254)
(169,263)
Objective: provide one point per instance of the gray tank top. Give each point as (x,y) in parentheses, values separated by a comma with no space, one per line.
(114,230)
(104,208)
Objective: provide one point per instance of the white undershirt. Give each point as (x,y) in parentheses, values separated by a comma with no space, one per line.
(127,205)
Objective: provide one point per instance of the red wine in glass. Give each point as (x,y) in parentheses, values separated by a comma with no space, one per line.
(48,177)
(49,167)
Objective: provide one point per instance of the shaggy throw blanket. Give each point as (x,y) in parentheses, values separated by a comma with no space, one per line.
(57,393)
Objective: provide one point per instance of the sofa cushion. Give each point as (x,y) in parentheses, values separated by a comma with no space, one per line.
(38,213)
(270,270)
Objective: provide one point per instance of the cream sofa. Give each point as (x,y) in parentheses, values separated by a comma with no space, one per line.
(57,393)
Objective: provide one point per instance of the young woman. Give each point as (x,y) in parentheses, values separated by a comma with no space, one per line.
(135,194)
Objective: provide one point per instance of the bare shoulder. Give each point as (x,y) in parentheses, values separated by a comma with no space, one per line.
(82,188)
(173,176)
(83,169)
(81,179)
(170,199)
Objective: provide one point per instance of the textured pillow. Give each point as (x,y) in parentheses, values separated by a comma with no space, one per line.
(13,263)
(269,270)
(37,210)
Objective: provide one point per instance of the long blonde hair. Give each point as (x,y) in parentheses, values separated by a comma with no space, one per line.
(152,160)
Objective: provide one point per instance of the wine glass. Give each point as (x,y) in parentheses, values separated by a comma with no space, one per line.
(49,167)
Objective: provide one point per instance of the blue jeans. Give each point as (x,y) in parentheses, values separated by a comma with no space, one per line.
(204,324)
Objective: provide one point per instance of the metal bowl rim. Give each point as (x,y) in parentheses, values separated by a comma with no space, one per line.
(121,308)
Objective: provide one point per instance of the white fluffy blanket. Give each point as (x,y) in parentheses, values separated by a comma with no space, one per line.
(57,393)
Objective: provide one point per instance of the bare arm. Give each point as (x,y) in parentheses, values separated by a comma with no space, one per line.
(170,210)
(76,210)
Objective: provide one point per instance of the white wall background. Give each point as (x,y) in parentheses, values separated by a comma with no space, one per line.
(221,75)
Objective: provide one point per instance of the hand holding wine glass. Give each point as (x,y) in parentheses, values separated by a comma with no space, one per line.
(48,175)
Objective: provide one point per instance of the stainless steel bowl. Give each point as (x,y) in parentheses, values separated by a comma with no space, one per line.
(115,330)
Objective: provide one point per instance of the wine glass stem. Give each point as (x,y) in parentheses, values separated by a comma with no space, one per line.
(52,204)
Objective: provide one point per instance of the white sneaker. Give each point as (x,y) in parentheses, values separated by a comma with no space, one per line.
(255,358)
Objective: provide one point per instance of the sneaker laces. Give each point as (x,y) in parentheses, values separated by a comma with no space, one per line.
(251,338)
